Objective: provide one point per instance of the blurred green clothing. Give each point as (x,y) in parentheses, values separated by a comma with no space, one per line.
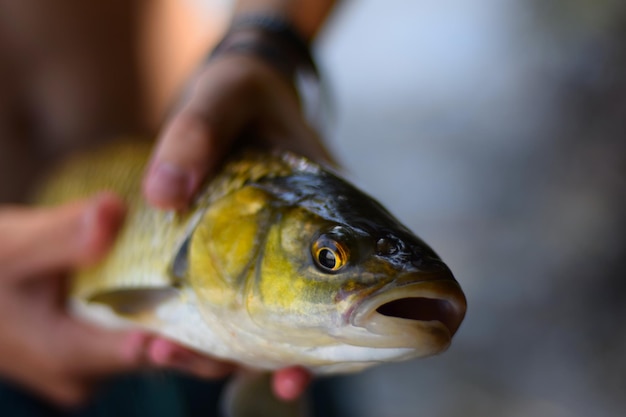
(153,394)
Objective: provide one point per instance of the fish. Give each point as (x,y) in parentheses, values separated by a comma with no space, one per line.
(277,262)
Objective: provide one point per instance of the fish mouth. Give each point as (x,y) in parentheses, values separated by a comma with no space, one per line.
(423,309)
(420,314)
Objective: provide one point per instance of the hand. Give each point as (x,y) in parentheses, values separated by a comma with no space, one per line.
(42,347)
(234,94)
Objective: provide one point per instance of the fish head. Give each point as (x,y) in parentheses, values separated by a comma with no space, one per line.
(330,283)
(337,267)
(324,274)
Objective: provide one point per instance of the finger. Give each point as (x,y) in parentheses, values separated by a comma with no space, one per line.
(39,240)
(84,355)
(200,134)
(290,383)
(88,352)
(167,354)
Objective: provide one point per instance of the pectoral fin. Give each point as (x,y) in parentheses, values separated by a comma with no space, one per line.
(132,303)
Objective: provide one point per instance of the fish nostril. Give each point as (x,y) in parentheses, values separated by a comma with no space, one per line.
(424,309)
(387,246)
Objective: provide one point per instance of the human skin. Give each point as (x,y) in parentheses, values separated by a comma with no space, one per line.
(233,94)
(42,347)
(46,350)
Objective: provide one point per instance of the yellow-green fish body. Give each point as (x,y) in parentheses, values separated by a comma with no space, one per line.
(278,262)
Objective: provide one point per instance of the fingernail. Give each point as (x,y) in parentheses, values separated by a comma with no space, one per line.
(169,186)
(288,390)
(159,352)
(289,383)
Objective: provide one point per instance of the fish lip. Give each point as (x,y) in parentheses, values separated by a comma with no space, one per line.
(429,336)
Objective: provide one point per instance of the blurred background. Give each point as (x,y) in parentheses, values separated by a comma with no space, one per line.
(497,131)
(494,129)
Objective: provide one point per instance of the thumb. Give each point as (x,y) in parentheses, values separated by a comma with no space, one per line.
(197,137)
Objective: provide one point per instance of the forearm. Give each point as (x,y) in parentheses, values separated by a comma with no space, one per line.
(306,15)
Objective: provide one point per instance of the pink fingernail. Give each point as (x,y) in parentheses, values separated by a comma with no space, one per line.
(289,383)
(169,185)
(160,352)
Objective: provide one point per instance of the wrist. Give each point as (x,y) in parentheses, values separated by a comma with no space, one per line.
(273,40)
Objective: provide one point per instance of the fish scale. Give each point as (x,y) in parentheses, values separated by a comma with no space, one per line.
(142,255)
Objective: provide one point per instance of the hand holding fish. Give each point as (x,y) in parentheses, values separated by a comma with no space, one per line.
(234,94)
(47,350)
(251,86)
(41,346)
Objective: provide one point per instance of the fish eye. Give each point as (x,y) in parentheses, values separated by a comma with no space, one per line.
(329,255)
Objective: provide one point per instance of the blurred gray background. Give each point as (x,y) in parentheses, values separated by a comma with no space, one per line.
(496,131)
